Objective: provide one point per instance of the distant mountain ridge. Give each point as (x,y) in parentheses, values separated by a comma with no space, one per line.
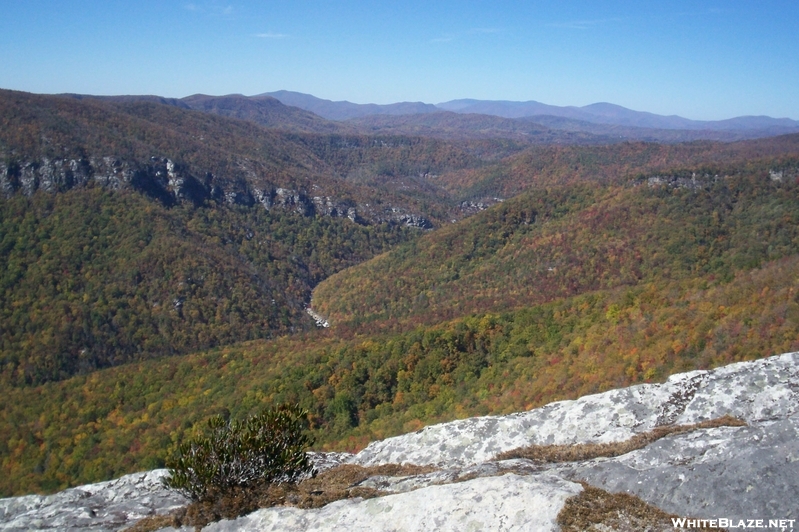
(345,110)
(608,113)
(264,110)
(597,113)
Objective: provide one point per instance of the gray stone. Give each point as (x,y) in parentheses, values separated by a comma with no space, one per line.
(98,507)
(325,461)
(732,472)
(448,476)
(510,502)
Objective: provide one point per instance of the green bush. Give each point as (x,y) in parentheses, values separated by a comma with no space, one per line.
(267,448)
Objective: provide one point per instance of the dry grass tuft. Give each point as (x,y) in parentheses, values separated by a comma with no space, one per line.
(597,510)
(154,522)
(587,451)
(335,484)
(329,486)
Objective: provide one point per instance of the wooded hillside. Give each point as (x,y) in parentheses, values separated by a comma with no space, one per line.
(156,262)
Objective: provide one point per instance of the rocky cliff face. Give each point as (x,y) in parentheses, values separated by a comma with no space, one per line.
(159,178)
(171,183)
(735,473)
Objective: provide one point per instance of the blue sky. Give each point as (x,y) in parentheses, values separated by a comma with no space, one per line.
(701,60)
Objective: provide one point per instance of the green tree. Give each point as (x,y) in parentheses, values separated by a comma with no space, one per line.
(268,448)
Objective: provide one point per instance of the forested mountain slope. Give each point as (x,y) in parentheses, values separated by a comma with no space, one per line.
(611,114)
(550,295)
(367,387)
(539,166)
(93,278)
(649,134)
(157,261)
(175,155)
(557,242)
(542,129)
(137,229)
(448,125)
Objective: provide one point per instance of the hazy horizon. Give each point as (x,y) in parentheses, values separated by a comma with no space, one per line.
(716,61)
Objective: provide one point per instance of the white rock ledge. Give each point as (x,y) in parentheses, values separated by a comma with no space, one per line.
(111,505)
(509,502)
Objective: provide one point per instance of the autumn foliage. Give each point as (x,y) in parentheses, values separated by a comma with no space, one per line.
(126,322)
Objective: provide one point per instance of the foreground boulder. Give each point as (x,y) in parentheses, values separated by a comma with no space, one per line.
(733,473)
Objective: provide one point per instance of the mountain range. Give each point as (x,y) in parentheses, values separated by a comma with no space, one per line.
(527,122)
(597,113)
(163,260)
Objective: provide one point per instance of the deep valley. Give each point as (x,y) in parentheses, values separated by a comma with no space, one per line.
(159,257)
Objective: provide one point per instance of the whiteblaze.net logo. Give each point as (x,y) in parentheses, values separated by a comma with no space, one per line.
(742,524)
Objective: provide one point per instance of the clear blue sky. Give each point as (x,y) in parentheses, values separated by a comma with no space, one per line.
(698,59)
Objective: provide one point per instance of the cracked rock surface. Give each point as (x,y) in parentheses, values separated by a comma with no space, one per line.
(510,502)
(736,472)
(749,472)
(103,506)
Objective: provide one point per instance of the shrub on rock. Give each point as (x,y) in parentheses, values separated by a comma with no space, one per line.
(231,456)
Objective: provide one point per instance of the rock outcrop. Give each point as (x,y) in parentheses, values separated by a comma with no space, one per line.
(160,178)
(746,472)
(111,505)
(171,183)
